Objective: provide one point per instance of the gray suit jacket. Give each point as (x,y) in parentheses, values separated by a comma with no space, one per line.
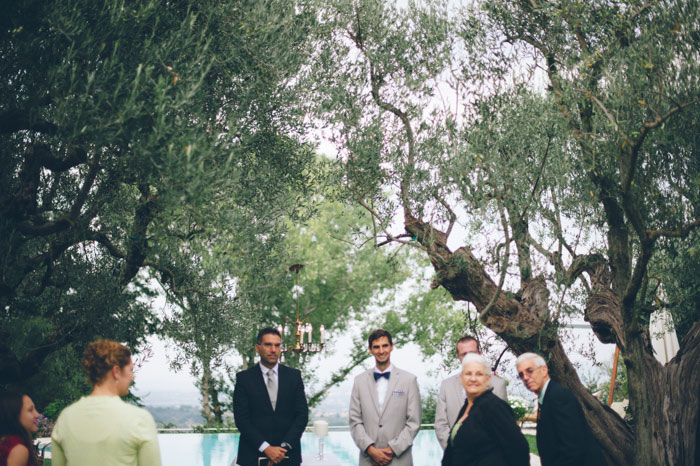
(398,422)
(450,401)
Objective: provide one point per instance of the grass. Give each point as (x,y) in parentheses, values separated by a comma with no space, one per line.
(533,443)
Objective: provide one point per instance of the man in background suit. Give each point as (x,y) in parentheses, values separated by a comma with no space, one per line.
(452,395)
(563,436)
(385,409)
(269,407)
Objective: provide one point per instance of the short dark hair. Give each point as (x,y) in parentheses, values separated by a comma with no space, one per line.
(467,338)
(266,331)
(378,334)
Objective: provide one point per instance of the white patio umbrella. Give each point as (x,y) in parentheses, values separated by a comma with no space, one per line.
(664,340)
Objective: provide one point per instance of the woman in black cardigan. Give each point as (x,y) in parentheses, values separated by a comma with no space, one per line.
(486,433)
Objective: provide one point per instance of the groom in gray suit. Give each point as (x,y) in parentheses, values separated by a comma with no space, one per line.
(385,409)
(452,395)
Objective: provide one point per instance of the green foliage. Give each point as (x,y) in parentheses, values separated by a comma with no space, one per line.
(678,268)
(621,384)
(219,309)
(406,46)
(132,133)
(342,276)
(519,408)
(435,322)
(532,442)
(428,401)
(207,319)
(53,409)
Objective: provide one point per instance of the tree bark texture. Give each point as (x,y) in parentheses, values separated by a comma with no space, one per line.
(204,390)
(665,402)
(665,399)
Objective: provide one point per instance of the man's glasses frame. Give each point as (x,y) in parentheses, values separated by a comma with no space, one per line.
(529,371)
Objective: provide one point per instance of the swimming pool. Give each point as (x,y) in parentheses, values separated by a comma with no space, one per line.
(220,449)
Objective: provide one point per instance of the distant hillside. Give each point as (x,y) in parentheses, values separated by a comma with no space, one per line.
(176,416)
(169,397)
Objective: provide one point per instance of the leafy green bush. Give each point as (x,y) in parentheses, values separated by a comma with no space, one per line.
(519,408)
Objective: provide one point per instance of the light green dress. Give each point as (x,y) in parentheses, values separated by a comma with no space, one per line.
(104,431)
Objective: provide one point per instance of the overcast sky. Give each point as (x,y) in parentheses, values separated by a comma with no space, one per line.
(155,379)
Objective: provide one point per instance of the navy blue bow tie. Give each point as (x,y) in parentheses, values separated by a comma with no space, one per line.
(378,375)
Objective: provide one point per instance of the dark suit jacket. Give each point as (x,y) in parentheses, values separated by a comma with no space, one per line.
(490,436)
(563,436)
(258,423)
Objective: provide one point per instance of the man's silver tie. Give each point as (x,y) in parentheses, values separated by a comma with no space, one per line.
(272,388)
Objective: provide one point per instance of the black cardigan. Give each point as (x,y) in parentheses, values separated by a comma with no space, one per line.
(490,436)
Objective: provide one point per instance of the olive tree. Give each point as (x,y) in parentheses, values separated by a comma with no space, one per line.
(130,129)
(539,155)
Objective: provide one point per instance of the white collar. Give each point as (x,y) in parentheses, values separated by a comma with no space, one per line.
(388,369)
(540,398)
(265,370)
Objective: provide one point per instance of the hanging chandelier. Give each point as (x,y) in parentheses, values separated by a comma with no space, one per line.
(300,328)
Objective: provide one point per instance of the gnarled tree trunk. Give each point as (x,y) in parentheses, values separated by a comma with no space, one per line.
(664,399)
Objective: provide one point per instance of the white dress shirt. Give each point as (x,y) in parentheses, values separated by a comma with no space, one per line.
(382,386)
(265,373)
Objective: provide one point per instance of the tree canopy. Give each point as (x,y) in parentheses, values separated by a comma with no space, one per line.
(130,132)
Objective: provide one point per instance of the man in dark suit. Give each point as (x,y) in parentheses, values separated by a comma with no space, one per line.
(563,436)
(269,406)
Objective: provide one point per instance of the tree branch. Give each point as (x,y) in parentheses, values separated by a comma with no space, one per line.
(86,187)
(12,121)
(504,268)
(681,232)
(138,244)
(450,214)
(395,239)
(635,282)
(602,107)
(104,240)
(376,83)
(358,355)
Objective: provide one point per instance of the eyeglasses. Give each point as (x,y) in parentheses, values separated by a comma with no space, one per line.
(529,371)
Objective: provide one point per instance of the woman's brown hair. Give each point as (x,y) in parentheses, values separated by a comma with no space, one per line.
(101,356)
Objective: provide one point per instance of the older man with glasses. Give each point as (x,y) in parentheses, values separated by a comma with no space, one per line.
(563,436)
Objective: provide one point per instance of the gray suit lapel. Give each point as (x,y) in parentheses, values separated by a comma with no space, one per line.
(393,380)
(372,389)
(456,400)
(458,391)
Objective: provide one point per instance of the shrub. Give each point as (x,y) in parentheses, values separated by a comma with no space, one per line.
(519,408)
(45,426)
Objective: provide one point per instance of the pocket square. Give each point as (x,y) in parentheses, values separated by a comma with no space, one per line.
(398,393)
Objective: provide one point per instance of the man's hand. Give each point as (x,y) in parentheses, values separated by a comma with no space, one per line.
(276,454)
(380,456)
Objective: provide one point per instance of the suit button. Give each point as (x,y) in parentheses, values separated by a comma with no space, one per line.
(380,426)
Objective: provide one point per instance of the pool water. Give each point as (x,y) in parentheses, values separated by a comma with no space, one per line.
(220,449)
